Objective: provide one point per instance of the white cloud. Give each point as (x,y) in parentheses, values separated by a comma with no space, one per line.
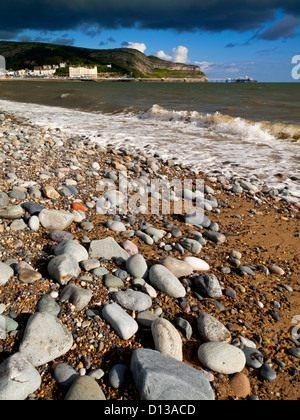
(205,65)
(223,70)
(135,45)
(163,56)
(178,55)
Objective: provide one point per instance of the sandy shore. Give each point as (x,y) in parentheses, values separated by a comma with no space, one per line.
(266,232)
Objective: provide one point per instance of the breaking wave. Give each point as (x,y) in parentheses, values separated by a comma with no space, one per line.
(225,124)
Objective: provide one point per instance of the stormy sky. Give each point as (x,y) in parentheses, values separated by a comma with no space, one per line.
(181,15)
(111,23)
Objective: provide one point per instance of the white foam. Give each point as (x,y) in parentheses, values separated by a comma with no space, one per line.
(205,141)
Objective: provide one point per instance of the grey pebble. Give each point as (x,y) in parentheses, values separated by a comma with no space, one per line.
(101,271)
(72,189)
(146,238)
(246,271)
(45,339)
(191,245)
(85,388)
(122,274)
(195,217)
(65,192)
(60,235)
(216,237)
(113,281)
(49,305)
(6,272)
(295,352)
(89,265)
(65,375)
(236,255)
(209,284)
(8,323)
(118,376)
(73,248)
(162,279)
(230,293)
(78,296)
(212,330)
(264,270)
(163,378)
(18,378)
(108,249)
(18,225)
(32,208)
(254,358)
(267,373)
(34,223)
(115,226)
(234,262)
(4,199)
(120,321)
(17,194)
(137,266)
(184,326)
(132,300)
(97,374)
(176,233)
(63,268)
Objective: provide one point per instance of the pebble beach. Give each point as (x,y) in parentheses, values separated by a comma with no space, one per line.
(99,305)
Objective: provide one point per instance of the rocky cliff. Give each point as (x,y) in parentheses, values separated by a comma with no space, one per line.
(21,55)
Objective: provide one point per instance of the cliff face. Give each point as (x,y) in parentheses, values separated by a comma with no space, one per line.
(127,61)
(169,65)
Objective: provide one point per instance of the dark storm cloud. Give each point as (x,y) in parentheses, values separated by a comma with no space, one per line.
(9,34)
(180,15)
(64,40)
(284,28)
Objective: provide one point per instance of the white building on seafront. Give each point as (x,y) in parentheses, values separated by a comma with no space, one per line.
(44,71)
(78,72)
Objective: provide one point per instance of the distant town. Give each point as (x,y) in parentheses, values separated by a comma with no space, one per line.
(91,73)
(51,71)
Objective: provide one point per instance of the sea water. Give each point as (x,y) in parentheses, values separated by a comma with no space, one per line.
(246,130)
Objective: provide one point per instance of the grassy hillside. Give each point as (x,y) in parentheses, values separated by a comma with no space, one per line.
(21,55)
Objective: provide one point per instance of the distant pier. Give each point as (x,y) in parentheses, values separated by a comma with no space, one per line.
(220,80)
(245,79)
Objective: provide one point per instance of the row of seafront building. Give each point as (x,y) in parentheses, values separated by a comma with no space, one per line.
(38,71)
(75,72)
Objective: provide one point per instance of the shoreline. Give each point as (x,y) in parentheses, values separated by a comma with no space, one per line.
(264,229)
(282,179)
(107,80)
